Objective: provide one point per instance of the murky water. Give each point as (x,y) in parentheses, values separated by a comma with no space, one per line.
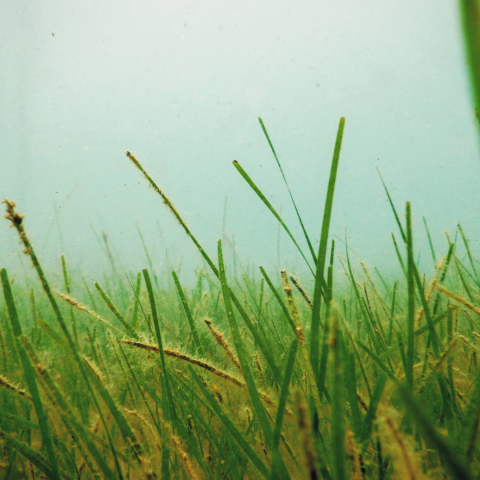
(181,86)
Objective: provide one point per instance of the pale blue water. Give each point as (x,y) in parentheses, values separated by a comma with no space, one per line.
(180,84)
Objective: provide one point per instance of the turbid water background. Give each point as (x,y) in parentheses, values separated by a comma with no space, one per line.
(181,84)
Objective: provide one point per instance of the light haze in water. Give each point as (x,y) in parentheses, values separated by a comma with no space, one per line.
(181,84)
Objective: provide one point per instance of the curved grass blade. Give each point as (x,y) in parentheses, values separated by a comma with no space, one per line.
(262,197)
(312,251)
(30,376)
(282,401)
(320,287)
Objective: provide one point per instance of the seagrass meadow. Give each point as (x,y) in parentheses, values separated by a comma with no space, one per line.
(353,375)
(253,376)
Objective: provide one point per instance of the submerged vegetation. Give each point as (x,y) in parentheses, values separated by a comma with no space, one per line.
(256,376)
(251,377)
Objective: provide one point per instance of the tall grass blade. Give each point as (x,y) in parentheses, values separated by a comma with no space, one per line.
(169,399)
(136,292)
(416,276)
(314,386)
(322,373)
(390,201)
(338,403)
(263,198)
(188,314)
(399,255)
(322,252)
(312,251)
(67,283)
(411,300)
